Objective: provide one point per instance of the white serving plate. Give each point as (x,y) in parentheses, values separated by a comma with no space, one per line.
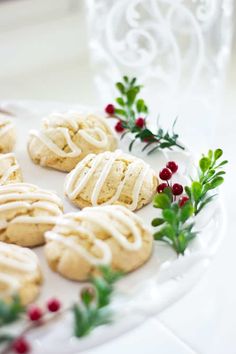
(164,279)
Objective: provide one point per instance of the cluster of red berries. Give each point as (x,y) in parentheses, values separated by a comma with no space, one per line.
(177,189)
(34,314)
(110,109)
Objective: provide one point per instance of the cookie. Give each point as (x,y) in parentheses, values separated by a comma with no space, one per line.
(10,171)
(111,178)
(7,134)
(65,139)
(20,273)
(26,212)
(109,235)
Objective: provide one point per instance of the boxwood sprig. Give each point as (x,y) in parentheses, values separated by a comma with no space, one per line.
(177,220)
(131,112)
(93,311)
(210,177)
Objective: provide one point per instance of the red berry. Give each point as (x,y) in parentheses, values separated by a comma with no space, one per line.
(140,122)
(35,313)
(183,200)
(165,174)
(172,166)
(20,345)
(53,305)
(110,109)
(177,189)
(161,187)
(119,127)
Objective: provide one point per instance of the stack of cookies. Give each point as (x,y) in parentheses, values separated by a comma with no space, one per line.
(105,183)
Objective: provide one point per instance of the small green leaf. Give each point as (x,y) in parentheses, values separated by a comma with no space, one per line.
(120,87)
(186,211)
(87,295)
(168,192)
(157,221)
(120,101)
(133,80)
(223,163)
(161,201)
(182,243)
(216,182)
(165,232)
(169,216)
(188,191)
(217,154)
(204,164)
(140,105)
(210,154)
(220,173)
(168,231)
(158,236)
(125,78)
(196,190)
(120,112)
(131,95)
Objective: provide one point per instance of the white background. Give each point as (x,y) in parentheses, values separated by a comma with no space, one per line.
(44,56)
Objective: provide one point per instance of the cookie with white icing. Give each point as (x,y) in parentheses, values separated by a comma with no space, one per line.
(111,178)
(65,139)
(109,235)
(7,134)
(20,273)
(26,213)
(10,171)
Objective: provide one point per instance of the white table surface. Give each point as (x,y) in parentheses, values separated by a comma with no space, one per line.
(204,321)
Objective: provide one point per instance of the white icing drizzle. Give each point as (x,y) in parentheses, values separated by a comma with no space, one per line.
(53,123)
(17,261)
(77,180)
(8,155)
(14,166)
(28,197)
(71,243)
(103,217)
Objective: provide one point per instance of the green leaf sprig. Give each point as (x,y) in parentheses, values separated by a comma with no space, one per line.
(175,225)
(132,114)
(210,177)
(93,311)
(173,221)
